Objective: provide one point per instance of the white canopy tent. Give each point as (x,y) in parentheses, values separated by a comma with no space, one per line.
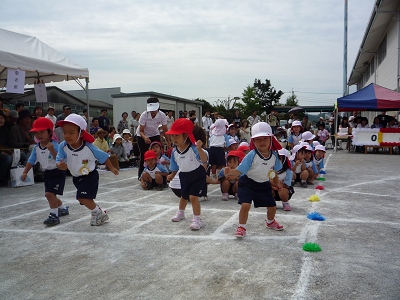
(40,62)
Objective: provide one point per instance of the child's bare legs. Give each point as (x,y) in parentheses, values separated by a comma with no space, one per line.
(213,169)
(235,187)
(271,211)
(244,213)
(180,214)
(182,204)
(225,189)
(145,178)
(284,195)
(196,222)
(310,178)
(159,179)
(89,203)
(54,202)
(303,177)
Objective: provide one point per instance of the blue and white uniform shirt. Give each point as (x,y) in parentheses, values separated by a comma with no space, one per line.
(81,161)
(157,168)
(312,165)
(319,163)
(295,139)
(228,137)
(256,166)
(186,161)
(43,156)
(285,176)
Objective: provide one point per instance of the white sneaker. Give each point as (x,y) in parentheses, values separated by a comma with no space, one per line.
(225,196)
(98,217)
(180,215)
(196,224)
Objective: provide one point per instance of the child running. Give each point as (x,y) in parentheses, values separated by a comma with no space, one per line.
(255,171)
(77,154)
(154,174)
(45,152)
(188,158)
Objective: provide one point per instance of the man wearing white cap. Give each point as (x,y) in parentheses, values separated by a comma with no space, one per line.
(148,131)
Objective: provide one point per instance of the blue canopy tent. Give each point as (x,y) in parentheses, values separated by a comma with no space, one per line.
(373,97)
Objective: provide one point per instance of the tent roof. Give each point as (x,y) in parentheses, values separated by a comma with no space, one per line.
(39,60)
(373,97)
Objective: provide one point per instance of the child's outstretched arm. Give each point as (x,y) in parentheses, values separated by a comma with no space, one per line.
(111,167)
(26,170)
(171,176)
(231,173)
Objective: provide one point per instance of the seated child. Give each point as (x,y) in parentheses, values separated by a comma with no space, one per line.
(323,134)
(156,146)
(311,169)
(230,187)
(154,175)
(231,134)
(318,159)
(308,137)
(300,173)
(295,134)
(244,147)
(285,177)
(127,142)
(118,150)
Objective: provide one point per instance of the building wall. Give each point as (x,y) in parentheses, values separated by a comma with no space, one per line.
(97,94)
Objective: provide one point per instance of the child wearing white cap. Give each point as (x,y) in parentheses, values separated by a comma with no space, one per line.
(79,155)
(285,177)
(299,169)
(295,134)
(118,150)
(256,171)
(318,158)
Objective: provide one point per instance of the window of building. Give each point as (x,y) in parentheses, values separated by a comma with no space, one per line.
(382,51)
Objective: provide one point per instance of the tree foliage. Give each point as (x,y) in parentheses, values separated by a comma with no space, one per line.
(292,100)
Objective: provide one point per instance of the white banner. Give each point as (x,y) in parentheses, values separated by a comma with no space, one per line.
(40,92)
(15,81)
(365,136)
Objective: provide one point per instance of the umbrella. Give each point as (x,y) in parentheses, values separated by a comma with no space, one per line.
(296,109)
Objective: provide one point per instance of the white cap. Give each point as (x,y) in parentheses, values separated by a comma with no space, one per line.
(307,136)
(153,106)
(244,144)
(232,141)
(315,143)
(306,146)
(296,123)
(80,122)
(126,131)
(320,147)
(261,129)
(294,151)
(284,152)
(116,137)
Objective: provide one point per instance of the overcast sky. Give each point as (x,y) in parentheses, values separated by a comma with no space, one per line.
(200,49)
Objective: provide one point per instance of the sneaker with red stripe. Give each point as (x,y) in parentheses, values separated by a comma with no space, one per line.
(240,232)
(274,225)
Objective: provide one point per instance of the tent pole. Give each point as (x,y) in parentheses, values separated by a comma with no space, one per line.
(335,129)
(87,101)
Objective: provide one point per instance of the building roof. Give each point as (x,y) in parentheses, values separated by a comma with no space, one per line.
(382,14)
(157,95)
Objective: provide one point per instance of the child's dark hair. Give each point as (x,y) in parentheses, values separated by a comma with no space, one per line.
(285,164)
(231,157)
(199,134)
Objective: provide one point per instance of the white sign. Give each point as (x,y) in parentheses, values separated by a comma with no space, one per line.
(40,92)
(391,137)
(15,81)
(365,136)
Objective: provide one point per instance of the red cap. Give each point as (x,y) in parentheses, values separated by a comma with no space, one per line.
(182,126)
(42,123)
(149,155)
(243,148)
(236,153)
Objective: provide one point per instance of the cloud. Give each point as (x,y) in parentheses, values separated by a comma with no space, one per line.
(207,49)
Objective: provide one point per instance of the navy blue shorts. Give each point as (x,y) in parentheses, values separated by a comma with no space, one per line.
(193,183)
(258,192)
(291,192)
(216,156)
(54,181)
(298,179)
(87,185)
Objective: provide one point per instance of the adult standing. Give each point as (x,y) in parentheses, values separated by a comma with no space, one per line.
(237,121)
(148,131)
(132,122)
(273,120)
(383,118)
(123,124)
(245,131)
(306,124)
(6,152)
(170,119)
(254,118)
(66,112)
(50,115)
(104,122)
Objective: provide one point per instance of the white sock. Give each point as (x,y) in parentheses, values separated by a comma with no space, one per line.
(303,181)
(196,217)
(242,225)
(96,209)
(269,221)
(286,203)
(54,211)
(62,206)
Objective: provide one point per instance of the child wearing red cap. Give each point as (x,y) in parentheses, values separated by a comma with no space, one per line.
(188,158)
(45,152)
(256,170)
(154,174)
(230,187)
(79,155)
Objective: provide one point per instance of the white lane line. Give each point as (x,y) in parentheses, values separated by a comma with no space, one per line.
(232,220)
(304,278)
(151,219)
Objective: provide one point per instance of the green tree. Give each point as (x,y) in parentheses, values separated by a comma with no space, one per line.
(292,100)
(206,106)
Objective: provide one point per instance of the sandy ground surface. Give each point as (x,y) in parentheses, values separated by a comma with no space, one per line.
(140,254)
